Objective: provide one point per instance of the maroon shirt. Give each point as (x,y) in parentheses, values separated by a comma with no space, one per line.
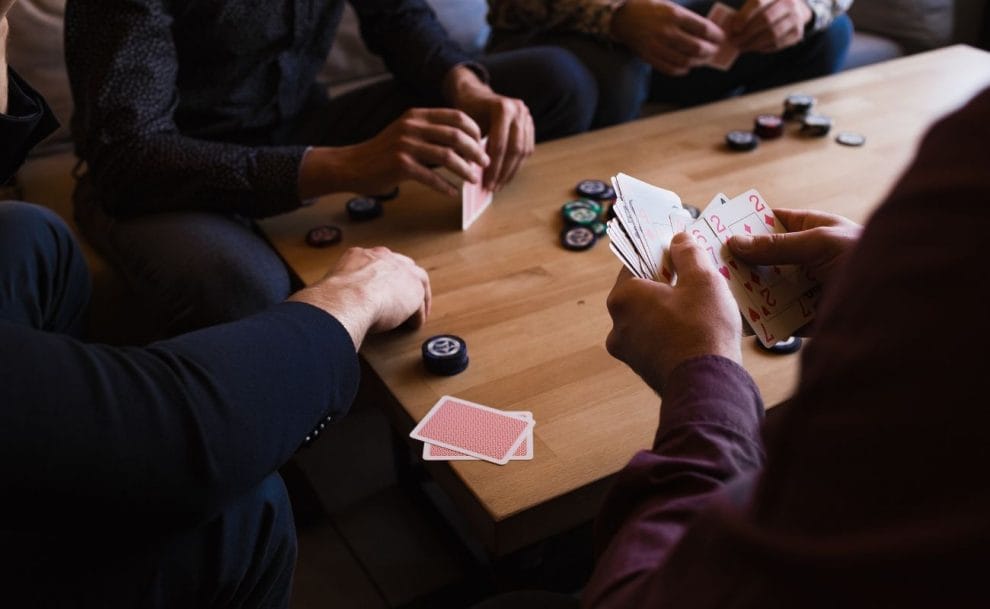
(875,489)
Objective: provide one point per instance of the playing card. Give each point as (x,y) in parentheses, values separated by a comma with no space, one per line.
(475,199)
(472,429)
(721,15)
(432,452)
(646,210)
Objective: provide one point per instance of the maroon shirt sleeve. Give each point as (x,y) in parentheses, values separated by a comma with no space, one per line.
(874,492)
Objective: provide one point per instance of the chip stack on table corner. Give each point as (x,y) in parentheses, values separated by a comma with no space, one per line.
(775,301)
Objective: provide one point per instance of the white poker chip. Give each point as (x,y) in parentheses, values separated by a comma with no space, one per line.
(848,138)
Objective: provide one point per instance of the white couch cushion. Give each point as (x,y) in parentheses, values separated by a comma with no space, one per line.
(917,25)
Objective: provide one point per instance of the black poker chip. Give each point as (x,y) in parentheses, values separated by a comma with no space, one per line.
(768,126)
(594,189)
(797,106)
(581,212)
(741,141)
(323,236)
(445,354)
(816,125)
(578,238)
(364,208)
(788,345)
(848,138)
(691,209)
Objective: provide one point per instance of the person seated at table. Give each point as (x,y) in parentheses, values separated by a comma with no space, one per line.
(147,477)
(195,118)
(871,491)
(660,50)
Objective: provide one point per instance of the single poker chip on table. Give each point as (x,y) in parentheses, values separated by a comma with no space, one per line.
(788,345)
(445,354)
(578,238)
(583,212)
(848,138)
(768,126)
(364,208)
(797,106)
(594,189)
(741,141)
(323,236)
(816,125)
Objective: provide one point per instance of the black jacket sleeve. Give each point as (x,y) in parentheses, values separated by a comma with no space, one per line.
(162,436)
(28,121)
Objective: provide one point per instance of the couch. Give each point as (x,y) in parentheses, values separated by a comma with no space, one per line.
(884,29)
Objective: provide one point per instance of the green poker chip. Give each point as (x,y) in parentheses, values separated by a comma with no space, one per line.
(581,212)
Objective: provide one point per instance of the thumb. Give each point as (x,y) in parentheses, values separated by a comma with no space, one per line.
(777,248)
(687,257)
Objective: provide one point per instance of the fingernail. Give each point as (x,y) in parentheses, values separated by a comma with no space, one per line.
(742,243)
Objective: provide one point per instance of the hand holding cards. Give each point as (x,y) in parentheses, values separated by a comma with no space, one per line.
(774,300)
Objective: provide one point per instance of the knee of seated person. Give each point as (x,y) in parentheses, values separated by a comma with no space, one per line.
(234,287)
(832,44)
(565,93)
(26,219)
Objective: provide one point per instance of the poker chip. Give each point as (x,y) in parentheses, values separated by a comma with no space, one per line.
(691,209)
(797,106)
(364,208)
(581,212)
(323,236)
(593,189)
(598,228)
(445,354)
(788,345)
(816,125)
(768,126)
(848,138)
(741,141)
(578,238)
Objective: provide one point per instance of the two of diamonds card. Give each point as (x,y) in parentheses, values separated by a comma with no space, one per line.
(459,430)
(774,300)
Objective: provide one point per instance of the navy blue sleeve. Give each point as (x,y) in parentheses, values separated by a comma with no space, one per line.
(123,70)
(27,122)
(165,434)
(411,41)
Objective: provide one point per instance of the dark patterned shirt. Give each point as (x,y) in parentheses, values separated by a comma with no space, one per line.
(180,104)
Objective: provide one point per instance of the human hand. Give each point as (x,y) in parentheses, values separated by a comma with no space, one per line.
(656,327)
(506,120)
(408,149)
(372,290)
(666,35)
(817,240)
(765,26)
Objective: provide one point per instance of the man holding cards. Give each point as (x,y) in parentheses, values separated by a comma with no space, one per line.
(683,52)
(872,490)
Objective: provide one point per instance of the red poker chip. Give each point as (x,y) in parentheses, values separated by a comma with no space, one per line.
(768,126)
(323,236)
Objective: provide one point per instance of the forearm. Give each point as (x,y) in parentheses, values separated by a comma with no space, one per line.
(171,432)
(708,437)
(593,17)
(4,91)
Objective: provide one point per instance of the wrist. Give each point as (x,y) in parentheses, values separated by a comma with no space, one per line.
(322,171)
(349,304)
(461,85)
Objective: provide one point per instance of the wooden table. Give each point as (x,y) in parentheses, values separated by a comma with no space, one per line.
(533,314)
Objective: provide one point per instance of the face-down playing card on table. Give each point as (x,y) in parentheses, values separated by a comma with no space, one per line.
(432,452)
(473,429)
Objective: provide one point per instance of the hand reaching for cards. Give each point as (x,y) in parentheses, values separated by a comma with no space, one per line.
(656,327)
(766,26)
(666,35)
(372,290)
(407,149)
(817,240)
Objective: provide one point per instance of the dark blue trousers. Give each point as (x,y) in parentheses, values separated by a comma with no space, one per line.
(240,557)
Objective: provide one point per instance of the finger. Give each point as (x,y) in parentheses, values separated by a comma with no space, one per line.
(688,259)
(698,26)
(514,154)
(804,219)
(498,137)
(427,292)
(464,145)
(452,118)
(415,171)
(691,47)
(434,156)
(777,248)
(747,12)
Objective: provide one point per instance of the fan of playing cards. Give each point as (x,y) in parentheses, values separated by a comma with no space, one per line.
(774,300)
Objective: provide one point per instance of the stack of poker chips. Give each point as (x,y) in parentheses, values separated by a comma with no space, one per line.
(584,217)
